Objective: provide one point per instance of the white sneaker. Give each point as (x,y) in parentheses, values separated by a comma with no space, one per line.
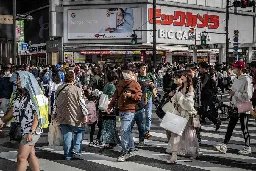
(245,151)
(123,157)
(221,148)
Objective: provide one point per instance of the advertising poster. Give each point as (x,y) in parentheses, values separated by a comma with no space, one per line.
(112,23)
(78,58)
(69,57)
(20,31)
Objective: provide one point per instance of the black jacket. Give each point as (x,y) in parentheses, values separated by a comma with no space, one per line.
(6,87)
(167,83)
(209,87)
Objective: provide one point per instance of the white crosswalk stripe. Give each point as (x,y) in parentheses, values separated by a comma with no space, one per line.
(152,156)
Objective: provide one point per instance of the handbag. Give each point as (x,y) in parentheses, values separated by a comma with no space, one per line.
(196,121)
(15,132)
(54,134)
(174,123)
(244,107)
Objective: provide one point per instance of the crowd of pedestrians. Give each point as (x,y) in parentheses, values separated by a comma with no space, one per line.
(111,98)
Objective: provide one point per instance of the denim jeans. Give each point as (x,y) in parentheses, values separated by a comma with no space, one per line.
(148,114)
(72,139)
(127,142)
(138,118)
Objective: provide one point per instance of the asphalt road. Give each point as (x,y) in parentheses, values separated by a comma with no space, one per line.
(151,157)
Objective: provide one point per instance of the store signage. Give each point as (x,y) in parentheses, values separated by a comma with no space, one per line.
(53,46)
(106,52)
(178,35)
(187,19)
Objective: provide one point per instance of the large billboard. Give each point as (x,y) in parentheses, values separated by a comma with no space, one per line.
(112,23)
(179,25)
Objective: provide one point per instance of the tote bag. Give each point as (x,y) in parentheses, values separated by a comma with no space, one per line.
(103,102)
(174,123)
(54,134)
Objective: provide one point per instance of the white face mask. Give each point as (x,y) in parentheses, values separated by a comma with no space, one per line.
(7,72)
(126,76)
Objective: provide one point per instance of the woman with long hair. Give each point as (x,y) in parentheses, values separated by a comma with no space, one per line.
(183,99)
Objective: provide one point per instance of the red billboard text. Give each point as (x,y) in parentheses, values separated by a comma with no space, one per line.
(187,19)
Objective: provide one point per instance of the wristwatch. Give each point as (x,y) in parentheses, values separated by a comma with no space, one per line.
(32,132)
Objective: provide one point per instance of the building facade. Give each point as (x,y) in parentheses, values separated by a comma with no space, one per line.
(108,25)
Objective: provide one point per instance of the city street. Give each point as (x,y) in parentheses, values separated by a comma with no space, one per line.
(151,157)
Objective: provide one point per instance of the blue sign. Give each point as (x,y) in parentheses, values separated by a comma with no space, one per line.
(24,46)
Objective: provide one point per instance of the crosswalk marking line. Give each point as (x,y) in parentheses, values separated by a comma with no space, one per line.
(164,145)
(227,155)
(157,144)
(238,139)
(224,130)
(153,155)
(194,163)
(110,161)
(46,165)
(204,141)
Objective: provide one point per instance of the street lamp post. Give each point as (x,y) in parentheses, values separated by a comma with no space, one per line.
(226,29)
(14,60)
(154,33)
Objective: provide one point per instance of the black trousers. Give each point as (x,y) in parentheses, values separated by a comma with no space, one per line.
(209,111)
(244,118)
(93,127)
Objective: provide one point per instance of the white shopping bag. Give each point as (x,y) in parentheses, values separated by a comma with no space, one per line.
(174,123)
(168,107)
(103,102)
(54,134)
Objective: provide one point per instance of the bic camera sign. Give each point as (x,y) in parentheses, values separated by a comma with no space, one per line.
(179,35)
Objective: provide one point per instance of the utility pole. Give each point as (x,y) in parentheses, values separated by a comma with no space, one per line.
(154,33)
(227,38)
(14,50)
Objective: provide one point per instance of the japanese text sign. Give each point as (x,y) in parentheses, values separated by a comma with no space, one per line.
(187,19)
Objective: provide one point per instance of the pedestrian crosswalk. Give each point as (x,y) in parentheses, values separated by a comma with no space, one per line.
(152,156)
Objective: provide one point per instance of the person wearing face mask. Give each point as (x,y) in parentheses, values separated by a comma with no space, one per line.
(6,88)
(241,91)
(128,93)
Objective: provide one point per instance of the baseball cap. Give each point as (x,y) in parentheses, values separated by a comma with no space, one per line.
(239,64)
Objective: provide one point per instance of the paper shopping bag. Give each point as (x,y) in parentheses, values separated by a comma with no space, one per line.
(174,123)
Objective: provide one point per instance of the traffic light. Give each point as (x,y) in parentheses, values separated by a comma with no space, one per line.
(243,3)
(134,39)
(237,3)
(203,39)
